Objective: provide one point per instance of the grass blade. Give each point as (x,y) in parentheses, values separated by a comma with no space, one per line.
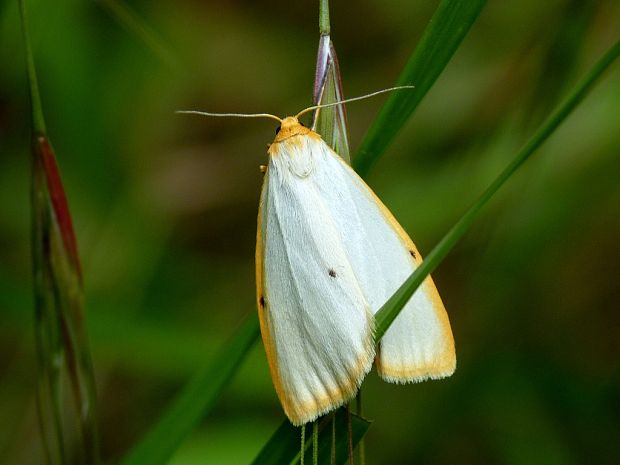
(443,35)
(63,354)
(283,446)
(386,315)
(195,400)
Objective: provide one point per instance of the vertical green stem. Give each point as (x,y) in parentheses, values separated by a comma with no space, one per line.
(37,112)
(350,434)
(361,448)
(324,26)
(333,460)
(303,444)
(315,442)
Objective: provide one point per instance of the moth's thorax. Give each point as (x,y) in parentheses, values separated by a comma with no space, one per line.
(294,150)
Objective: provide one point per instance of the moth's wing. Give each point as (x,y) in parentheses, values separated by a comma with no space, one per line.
(316,324)
(419,343)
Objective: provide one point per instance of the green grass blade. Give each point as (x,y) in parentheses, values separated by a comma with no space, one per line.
(443,35)
(195,400)
(283,446)
(386,315)
(63,353)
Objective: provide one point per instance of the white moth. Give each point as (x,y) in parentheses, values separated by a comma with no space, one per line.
(328,255)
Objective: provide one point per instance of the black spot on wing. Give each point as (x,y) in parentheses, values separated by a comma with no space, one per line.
(332,273)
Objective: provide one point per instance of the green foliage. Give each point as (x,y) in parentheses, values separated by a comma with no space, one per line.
(283,446)
(63,354)
(165,212)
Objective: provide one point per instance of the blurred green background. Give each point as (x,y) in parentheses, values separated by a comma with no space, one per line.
(165,210)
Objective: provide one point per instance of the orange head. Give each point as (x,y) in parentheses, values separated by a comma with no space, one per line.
(290,127)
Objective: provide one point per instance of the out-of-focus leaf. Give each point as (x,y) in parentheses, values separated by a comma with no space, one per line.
(63,354)
(194,402)
(284,446)
(62,345)
(443,35)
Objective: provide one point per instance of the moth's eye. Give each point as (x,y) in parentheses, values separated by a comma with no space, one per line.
(278,130)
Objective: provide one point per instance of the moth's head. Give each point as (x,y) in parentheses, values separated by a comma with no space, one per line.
(290,127)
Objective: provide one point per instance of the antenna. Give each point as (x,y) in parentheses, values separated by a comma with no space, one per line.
(232,115)
(315,107)
(306,110)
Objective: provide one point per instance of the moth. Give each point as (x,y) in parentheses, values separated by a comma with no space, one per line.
(328,255)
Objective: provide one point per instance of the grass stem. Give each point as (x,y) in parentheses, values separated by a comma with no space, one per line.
(38,122)
(302,451)
(333,451)
(359,410)
(315,442)
(324,25)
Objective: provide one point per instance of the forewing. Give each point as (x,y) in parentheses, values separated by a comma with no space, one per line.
(315,321)
(419,343)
